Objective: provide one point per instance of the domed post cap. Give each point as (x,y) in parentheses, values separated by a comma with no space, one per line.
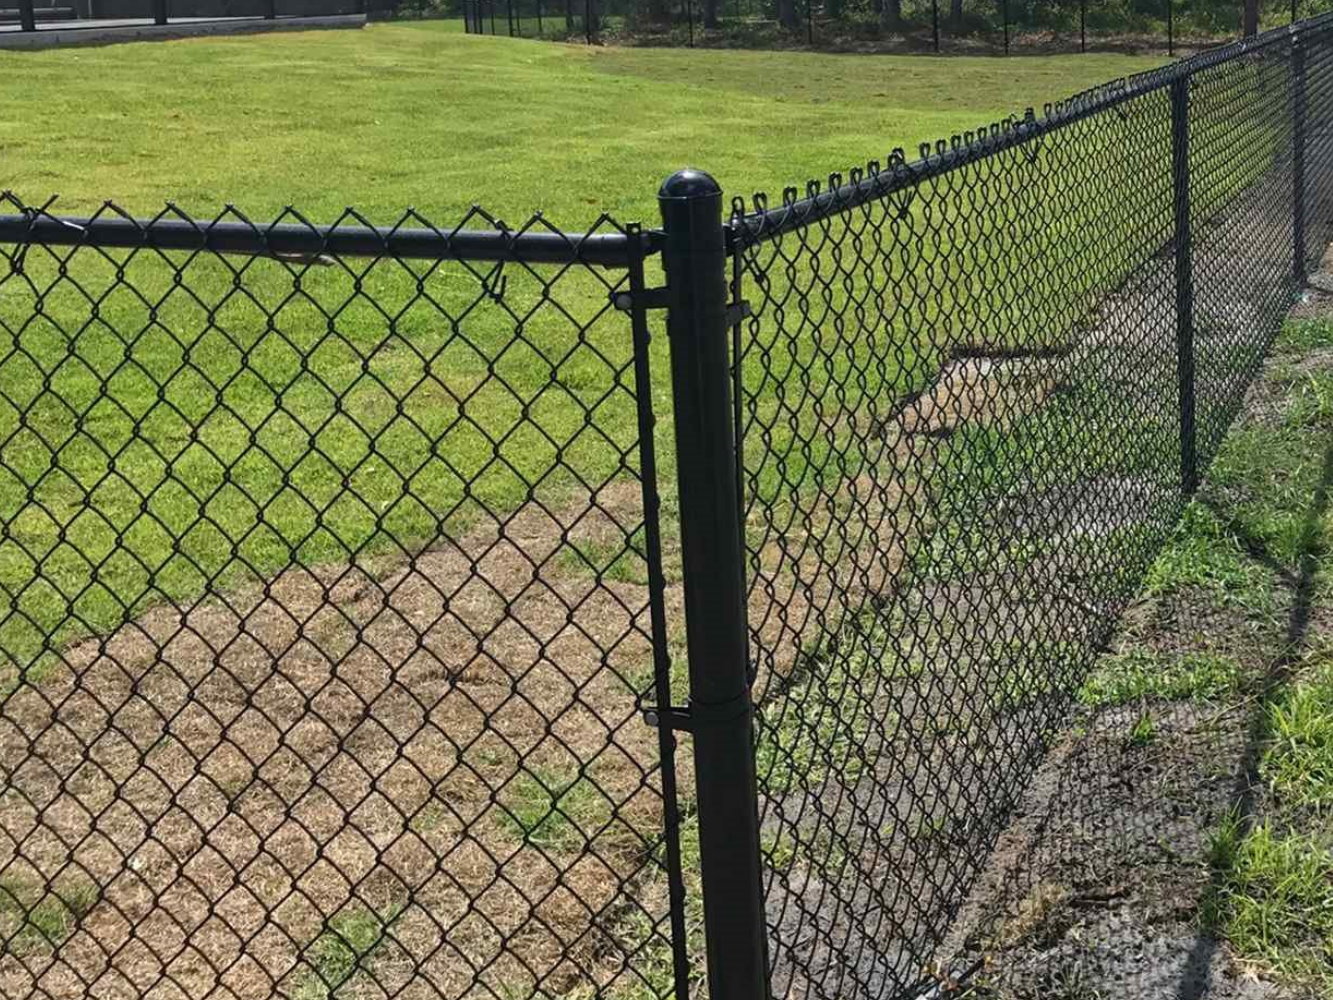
(690,183)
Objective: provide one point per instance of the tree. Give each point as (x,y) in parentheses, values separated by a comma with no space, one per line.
(1250,21)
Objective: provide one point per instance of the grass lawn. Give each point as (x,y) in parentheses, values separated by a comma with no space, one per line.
(174,421)
(419,114)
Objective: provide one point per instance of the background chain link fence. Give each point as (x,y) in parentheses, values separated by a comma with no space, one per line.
(340,614)
(960,408)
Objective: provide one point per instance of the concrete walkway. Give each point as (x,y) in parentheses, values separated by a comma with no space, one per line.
(108,31)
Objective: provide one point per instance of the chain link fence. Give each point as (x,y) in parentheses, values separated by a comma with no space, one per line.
(976,27)
(358,582)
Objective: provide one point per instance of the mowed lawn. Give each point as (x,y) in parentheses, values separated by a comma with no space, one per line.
(173,424)
(419,114)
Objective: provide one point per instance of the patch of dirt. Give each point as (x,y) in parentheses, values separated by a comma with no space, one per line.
(348,740)
(1096,889)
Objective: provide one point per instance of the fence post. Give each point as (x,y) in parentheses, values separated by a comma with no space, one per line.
(1298,159)
(935,24)
(1004,16)
(159,11)
(1083,25)
(27,16)
(1171,27)
(694,258)
(270,10)
(1180,174)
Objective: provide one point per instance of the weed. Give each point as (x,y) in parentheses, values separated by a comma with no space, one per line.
(1202,553)
(552,810)
(1142,673)
(1298,763)
(1144,731)
(36,918)
(1274,900)
(820,723)
(345,949)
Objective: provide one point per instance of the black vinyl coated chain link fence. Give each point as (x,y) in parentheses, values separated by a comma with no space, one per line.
(354,597)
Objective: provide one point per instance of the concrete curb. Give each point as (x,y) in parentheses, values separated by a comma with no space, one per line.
(109,33)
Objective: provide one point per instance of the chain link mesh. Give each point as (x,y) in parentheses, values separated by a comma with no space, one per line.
(332,587)
(959,404)
(325,616)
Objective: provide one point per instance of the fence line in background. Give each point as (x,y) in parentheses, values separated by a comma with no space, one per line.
(357,582)
(814,23)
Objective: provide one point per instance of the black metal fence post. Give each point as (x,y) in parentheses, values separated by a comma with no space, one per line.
(1170,27)
(720,716)
(1004,16)
(1180,175)
(935,23)
(27,16)
(270,10)
(159,11)
(1083,25)
(1298,159)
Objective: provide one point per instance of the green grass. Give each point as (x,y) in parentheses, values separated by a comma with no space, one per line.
(174,426)
(552,810)
(1141,673)
(1275,900)
(1299,762)
(345,950)
(35,918)
(1272,895)
(1205,554)
(418,114)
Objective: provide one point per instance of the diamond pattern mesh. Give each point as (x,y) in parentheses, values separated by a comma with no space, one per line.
(333,588)
(325,616)
(959,408)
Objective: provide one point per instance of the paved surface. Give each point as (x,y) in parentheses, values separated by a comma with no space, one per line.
(107,31)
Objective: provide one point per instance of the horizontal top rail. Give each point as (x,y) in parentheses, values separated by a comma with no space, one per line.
(875,183)
(610,249)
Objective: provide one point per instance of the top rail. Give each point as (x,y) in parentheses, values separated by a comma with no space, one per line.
(610,249)
(945,156)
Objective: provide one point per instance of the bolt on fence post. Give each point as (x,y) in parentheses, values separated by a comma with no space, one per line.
(1180,175)
(1298,160)
(694,258)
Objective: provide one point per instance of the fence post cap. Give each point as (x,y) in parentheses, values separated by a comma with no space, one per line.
(689,183)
